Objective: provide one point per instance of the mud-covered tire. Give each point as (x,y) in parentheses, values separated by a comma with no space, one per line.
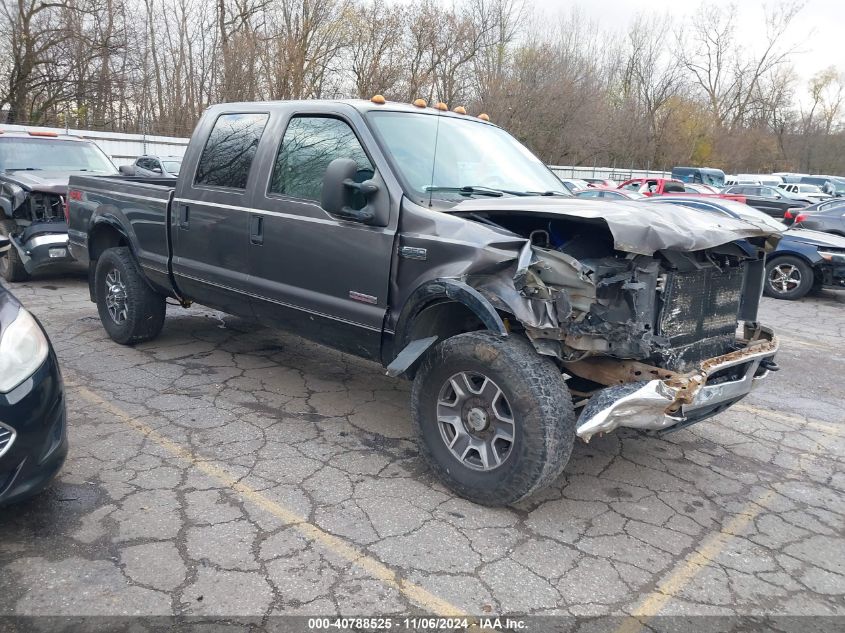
(11,266)
(788,278)
(143,317)
(539,403)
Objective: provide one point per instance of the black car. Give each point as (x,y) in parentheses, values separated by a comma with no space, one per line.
(803,259)
(33,434)
(830,219)
(824,205)
(767,199)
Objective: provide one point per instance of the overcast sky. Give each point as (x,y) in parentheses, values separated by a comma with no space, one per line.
(820,27)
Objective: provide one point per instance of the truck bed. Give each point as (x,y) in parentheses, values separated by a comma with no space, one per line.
(139,205)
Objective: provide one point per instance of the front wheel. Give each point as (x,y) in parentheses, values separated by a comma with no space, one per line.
(11,266)
(131,311)
(493,417)
(788,277)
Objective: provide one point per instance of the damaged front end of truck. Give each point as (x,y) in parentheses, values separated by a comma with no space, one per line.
(650,312)
(33,214)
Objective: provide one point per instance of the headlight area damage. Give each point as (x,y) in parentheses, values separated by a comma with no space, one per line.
(651,313)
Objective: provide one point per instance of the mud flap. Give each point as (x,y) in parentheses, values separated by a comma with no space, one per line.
(410,355)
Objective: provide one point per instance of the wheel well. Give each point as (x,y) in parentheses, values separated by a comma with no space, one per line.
(443,319)
(103,238)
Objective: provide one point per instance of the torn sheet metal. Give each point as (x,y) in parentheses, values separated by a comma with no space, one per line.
(636,227)
(680,400)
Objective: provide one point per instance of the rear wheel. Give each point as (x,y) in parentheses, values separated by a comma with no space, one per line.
(788,277)
(493,417)
(11,266)
(131,311)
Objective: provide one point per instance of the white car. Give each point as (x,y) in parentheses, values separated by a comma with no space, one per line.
(812,193)
(575,184)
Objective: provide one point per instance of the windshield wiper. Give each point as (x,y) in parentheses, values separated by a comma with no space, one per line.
(468,190)
(23,169)
(543,193)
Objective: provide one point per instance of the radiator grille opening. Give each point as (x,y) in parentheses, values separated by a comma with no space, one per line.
(699,315)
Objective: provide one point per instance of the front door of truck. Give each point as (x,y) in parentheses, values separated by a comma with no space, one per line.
(320,275)
(210,219)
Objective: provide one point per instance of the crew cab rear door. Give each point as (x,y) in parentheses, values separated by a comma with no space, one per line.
(210,212)
(311,272)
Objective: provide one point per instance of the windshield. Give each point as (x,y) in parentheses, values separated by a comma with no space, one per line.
(44,154)
(715,178)
(462,154)
(172,166)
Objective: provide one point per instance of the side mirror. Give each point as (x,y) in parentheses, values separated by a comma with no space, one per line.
(127,170)
(5,244)
(339,188)
(156,170)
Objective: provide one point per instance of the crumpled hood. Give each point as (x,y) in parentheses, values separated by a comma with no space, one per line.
(816,238)
(636,227)
(45,181)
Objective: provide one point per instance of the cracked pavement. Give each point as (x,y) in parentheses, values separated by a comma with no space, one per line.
(226,469)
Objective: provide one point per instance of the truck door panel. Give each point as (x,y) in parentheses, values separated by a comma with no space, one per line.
(327,274)
(210,219)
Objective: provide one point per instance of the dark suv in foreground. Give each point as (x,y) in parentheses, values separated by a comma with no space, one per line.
(33,434)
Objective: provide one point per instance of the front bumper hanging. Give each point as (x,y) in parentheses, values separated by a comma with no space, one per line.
(43,250)
(683,399)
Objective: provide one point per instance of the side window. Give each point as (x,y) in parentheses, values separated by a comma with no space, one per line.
(229,150)
(310,143)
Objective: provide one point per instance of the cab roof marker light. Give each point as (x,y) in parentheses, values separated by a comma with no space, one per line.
(484,117)
(442,106)
(41,133)
(378,99)
(460,110)
(420,103)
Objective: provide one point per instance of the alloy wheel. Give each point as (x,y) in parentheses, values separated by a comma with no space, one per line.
(116,297)
(475,420)
(784,278)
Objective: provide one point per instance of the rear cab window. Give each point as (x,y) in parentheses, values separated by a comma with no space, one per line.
(230,149)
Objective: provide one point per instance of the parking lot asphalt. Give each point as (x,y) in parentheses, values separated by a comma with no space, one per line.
(228,469)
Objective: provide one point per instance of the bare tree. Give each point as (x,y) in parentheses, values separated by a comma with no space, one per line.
(729,75)
(375,51)
(33,36)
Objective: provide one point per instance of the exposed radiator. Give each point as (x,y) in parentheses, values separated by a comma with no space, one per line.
(698,316)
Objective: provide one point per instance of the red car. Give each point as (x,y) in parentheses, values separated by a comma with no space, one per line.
(664,186)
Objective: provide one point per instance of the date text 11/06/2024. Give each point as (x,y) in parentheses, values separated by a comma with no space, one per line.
(415,623)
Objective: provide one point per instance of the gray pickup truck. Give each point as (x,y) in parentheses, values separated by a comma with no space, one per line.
(434,243)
